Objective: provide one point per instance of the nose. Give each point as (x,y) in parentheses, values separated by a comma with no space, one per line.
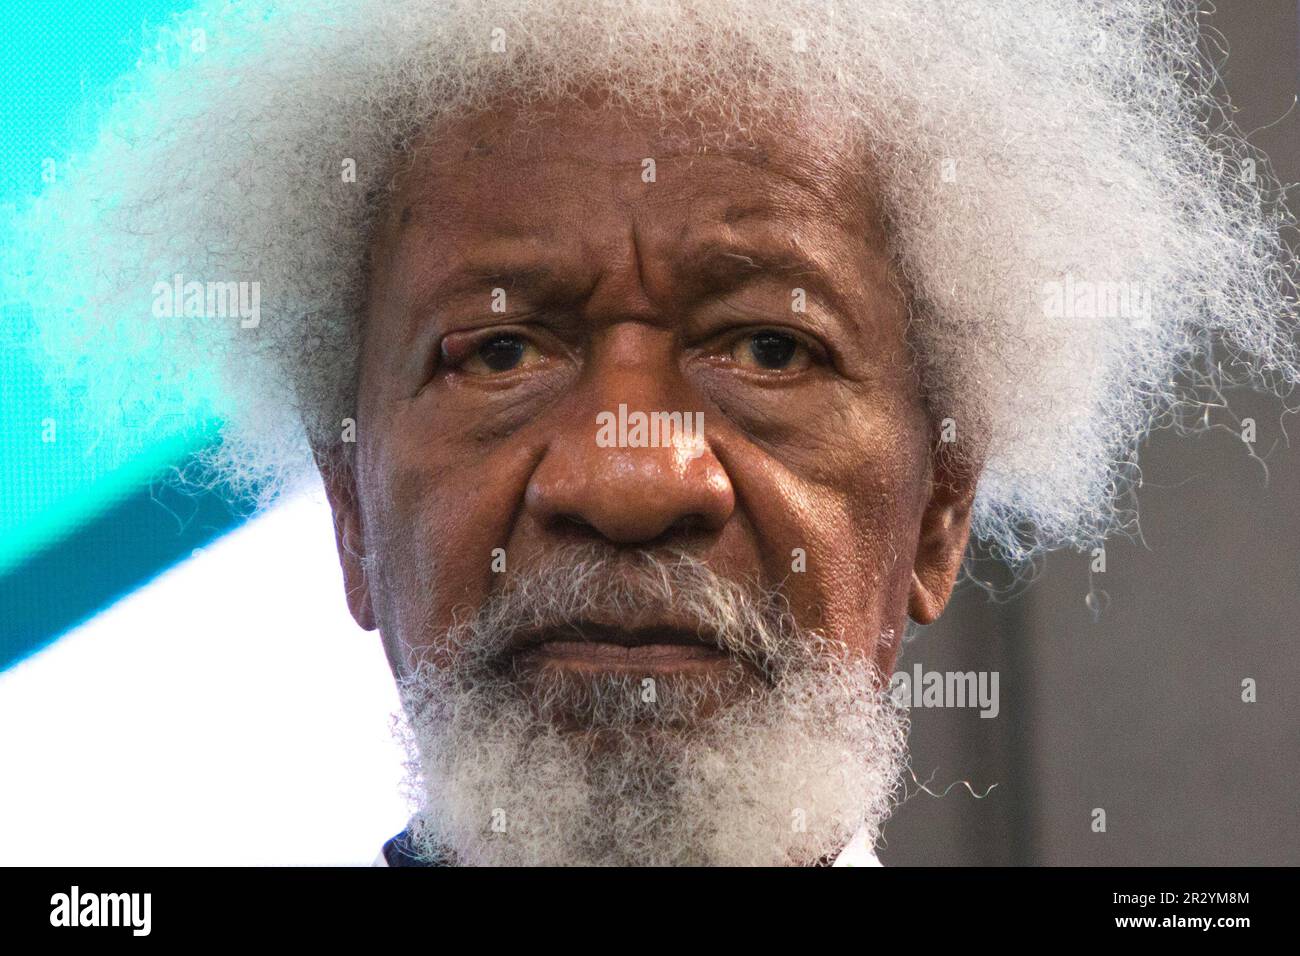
(633,491)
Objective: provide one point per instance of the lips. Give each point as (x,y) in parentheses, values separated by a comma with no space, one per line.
(594,647)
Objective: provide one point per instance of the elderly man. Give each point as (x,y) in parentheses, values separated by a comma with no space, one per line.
(659,359)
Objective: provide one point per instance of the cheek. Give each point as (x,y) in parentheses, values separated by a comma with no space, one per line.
(434,513)
(839,523)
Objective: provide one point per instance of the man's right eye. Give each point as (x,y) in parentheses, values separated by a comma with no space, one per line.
(503,352)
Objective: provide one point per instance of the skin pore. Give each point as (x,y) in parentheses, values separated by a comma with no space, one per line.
(476,426)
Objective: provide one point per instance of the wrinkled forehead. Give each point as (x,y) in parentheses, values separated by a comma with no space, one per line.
(505,168)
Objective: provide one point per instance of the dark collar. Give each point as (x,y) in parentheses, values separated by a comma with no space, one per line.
(399,852)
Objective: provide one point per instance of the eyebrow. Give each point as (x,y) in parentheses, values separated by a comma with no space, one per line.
(725,266)
(712,267)
(726,262)
(525,276)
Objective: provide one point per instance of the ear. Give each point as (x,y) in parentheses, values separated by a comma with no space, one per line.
(945,530)
(340,487)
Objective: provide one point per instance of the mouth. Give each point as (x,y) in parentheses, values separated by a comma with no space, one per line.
(594,648)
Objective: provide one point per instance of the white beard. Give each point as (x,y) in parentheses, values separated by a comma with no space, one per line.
(785,774)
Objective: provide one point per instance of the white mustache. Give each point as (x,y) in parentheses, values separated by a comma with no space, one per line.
(582,585)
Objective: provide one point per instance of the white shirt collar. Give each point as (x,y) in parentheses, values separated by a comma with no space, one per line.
(857,852)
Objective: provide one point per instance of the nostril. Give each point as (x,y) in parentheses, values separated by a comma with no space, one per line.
(573,528)
(572,525)
(691,523)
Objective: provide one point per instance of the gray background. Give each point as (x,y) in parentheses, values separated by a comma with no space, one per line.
(1140,711)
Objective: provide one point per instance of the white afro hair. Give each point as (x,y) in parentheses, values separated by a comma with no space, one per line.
(1087,241)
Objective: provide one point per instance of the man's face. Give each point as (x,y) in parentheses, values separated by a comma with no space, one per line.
(533,287)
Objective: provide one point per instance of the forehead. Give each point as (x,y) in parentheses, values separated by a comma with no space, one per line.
(544,172)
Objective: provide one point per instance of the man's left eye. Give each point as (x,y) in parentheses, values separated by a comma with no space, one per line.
(771,351)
